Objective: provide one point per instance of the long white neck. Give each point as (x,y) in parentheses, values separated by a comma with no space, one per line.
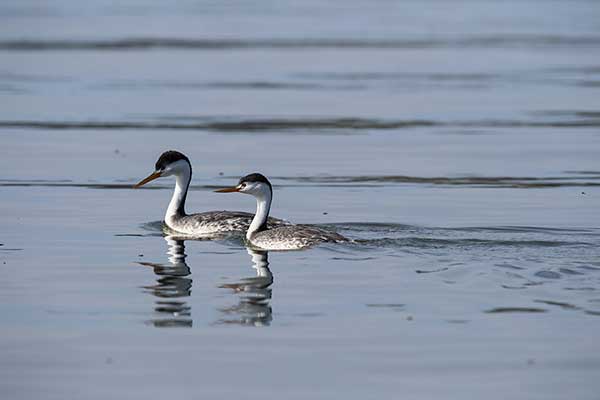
(177,205)
(263,206)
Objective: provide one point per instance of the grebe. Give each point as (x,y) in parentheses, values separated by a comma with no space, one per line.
(292,237)
(201,224)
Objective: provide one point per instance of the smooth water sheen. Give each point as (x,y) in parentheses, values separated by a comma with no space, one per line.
(457,143)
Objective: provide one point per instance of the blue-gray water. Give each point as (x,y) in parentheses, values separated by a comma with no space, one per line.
(457,141)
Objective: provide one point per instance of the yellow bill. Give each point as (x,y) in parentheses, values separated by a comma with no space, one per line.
(149,178)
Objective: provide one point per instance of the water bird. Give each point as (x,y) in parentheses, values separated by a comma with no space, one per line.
(174,163)
(262,236)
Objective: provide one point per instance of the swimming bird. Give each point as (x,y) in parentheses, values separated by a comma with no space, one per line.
(292,237)
(174,163)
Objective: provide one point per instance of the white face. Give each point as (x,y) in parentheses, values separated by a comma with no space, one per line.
(257,189)
(178,167)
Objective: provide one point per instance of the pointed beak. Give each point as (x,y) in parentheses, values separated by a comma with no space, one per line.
(149,178)
(228,190)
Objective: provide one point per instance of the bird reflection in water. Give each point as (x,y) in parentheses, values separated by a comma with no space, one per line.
(253,308)
(171,286)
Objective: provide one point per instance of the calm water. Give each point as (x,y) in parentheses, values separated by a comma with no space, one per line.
(458,143)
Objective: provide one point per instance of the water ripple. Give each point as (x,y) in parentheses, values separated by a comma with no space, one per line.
(439,243)
(570,179)
(485,181)
(305,124)
(503,310)
(213,44)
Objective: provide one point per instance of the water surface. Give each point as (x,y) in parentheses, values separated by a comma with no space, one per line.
(456,143)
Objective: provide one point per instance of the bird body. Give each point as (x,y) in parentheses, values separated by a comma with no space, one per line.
(260,235)
(293,237)
(214,223)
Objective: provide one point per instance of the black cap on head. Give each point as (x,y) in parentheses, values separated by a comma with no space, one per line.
(256,177)
(169,157)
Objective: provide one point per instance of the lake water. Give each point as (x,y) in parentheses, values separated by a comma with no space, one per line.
(457,143)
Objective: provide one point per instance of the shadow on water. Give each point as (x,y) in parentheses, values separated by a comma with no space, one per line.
(173,285)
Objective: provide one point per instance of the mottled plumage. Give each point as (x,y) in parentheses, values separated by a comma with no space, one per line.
(293,237)
(217,222)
